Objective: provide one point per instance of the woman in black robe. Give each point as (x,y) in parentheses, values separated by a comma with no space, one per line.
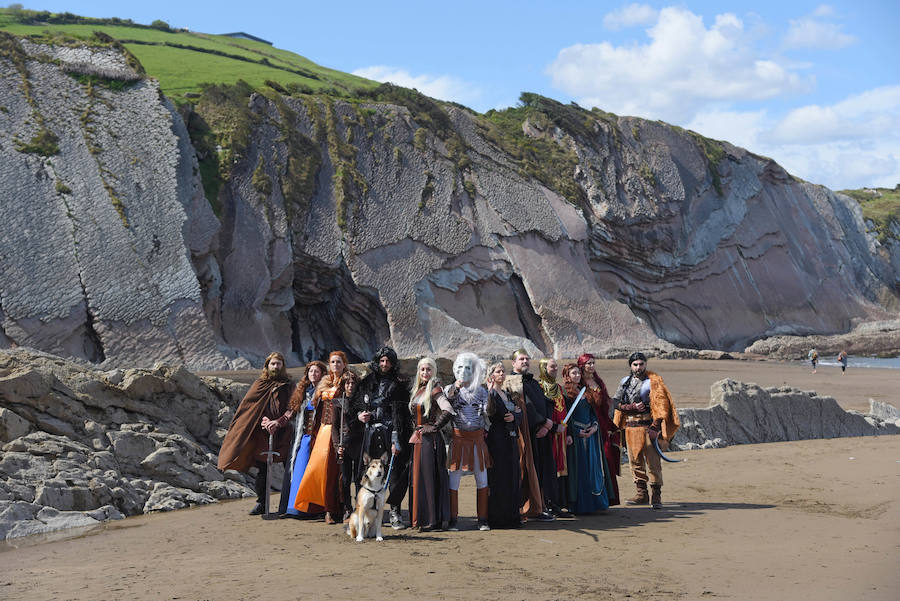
(504,478)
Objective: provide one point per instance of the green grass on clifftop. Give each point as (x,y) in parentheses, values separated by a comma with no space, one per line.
(881,206)
(182,61)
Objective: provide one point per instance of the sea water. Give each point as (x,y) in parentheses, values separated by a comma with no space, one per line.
(854,361)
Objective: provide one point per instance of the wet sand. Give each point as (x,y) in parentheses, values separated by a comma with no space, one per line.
(802,520)
(690,379)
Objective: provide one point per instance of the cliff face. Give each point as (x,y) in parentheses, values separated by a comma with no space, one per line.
(345,224)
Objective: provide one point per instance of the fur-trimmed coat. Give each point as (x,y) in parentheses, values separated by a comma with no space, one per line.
(662,408)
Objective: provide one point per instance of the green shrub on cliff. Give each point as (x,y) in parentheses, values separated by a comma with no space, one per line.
(540,156)
(881,206)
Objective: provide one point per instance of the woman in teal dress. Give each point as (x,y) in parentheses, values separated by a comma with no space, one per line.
(588,472)
(302,406)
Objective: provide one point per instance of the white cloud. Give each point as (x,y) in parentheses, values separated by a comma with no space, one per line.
(823,10)
(817,35)
(842,165)
(443,87)
(874,114)
(849,144)
(629,16)
(741,128)
(683,68)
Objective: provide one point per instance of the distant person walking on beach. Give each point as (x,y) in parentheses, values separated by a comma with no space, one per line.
(645,409)
(842,358)
(813,357)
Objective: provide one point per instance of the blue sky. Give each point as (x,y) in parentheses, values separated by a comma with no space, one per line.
(814,85)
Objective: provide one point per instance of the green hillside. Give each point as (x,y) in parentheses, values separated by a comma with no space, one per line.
(881,206)
(182,61)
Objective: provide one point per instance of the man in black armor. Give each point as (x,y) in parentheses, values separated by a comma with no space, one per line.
(382,406)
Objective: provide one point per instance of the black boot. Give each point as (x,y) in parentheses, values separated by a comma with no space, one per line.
(259,485)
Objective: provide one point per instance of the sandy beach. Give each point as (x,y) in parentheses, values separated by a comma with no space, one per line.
(813,520)
(690,379)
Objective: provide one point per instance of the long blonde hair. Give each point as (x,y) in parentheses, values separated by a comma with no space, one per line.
(429,386)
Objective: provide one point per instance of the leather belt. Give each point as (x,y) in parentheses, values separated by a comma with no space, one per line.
(635,421)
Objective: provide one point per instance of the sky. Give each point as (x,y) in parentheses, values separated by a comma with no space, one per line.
(813,85)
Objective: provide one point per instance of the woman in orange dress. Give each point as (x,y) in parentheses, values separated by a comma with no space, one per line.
(321,483)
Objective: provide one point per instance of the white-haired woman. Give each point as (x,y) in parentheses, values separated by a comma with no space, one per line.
(429,487)
(468,453)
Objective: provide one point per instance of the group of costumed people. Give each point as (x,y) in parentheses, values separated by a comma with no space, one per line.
(537,447)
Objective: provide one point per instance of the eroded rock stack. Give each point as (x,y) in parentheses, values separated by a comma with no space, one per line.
(740,413)
(81,445)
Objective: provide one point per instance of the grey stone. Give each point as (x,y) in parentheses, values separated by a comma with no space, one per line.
(11,425)
(740,413)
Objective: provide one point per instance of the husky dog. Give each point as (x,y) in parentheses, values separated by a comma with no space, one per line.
(366,519)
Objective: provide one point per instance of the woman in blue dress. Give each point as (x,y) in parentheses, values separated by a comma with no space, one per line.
(303,408)
(588,472)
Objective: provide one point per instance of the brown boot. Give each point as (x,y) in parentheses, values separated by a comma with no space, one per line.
(656,496)
(641,498)
(482,503)
(454,511)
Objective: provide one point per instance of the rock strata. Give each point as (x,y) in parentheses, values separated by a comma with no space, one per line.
(81,445)
(740,413)
(349,224)
(873,338)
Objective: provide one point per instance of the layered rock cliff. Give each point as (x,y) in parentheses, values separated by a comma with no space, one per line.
(349,222)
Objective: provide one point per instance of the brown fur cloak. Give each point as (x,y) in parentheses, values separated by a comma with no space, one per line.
(267,397)
(661,408)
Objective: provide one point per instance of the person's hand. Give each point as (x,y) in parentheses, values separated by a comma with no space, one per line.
(458,384)
(653,433)
(569,440)
(508,417)
(663,444)
(428,429)
(394,450)
(265,421)
(640,406)
(341,452)
(541,432)
(364,417)
(271,427)
(561,428)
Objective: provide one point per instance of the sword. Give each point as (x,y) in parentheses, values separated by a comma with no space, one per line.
(661,454)
(269,454)
(341,436)
(578,398)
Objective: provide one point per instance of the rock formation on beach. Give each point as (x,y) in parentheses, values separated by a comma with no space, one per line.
(740,413)
(345,223)
(79,445)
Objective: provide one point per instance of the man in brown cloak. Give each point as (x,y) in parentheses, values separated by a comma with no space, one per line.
(263,411)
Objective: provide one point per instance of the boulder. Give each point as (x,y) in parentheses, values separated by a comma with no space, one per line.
(11,425)
(89,445)
(740,413)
